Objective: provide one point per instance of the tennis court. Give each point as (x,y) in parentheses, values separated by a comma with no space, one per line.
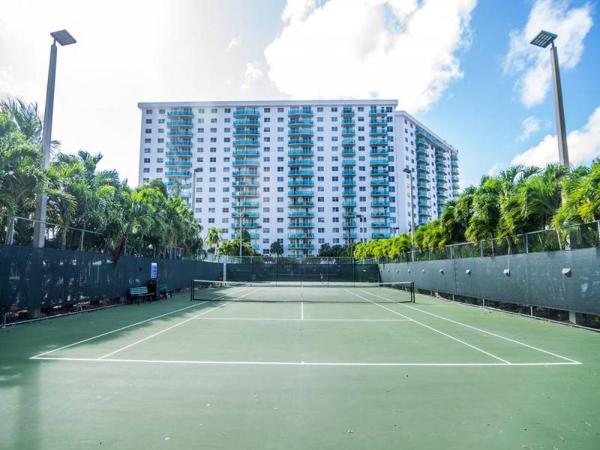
(313,365)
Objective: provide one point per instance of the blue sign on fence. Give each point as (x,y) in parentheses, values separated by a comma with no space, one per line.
(153,271)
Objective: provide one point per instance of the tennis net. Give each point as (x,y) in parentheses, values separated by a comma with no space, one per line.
(340,292)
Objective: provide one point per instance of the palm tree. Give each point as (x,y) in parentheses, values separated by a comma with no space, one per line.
(213,238)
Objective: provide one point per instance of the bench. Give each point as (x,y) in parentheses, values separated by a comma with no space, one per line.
(163,289)
(139,293)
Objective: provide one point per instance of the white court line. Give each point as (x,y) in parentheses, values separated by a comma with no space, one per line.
(282,319)
(304,363)
(474,347)
(139,341)
(488,332)
(123,328)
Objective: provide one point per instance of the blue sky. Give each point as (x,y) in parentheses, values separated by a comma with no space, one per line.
(463,67)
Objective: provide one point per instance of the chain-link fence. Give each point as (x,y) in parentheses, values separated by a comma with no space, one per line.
(580,236)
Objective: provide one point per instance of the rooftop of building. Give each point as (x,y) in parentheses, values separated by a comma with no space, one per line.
(236,103)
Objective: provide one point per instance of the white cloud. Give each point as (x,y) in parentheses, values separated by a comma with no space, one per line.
(253,73)
(532,64)
(494,170)
(583,144)
(529,127)
(370,48)
(233,43)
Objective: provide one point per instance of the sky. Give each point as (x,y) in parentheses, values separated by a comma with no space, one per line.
(463,67)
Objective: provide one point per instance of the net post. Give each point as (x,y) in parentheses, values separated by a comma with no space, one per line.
(412,292)
(192,291)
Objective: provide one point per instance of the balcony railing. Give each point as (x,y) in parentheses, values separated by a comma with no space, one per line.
(300,112)
(246,123)
(246,112)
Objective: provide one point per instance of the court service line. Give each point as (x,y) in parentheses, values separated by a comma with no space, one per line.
(556,355)
(291,319)
(303,363)
(122,328)
(139,341)
(474,347)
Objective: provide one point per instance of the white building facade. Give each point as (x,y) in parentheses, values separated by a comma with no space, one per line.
(304,173)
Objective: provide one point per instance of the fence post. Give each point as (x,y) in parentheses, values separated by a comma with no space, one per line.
(481,248)
(10,232)
(598,226)
(81,240)
(526,242)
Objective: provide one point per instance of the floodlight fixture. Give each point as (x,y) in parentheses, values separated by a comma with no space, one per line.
(544,39)
(63,37)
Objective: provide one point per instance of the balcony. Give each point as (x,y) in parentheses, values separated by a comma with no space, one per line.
(423,184)
(300,163)
(300,123)
(380,203)
(301,205)
(347,112)
(378,112)
(245,153)
(246,143)
(300,152)
(348,123)
(348,162)
(301,236)
(301,247)
(378,152)
(246,123)
(301,183)
(300,142)
(185,114)
(245,184)
(348,172)
(246,163)
(384,182)
(422,176)
(245,173)
(423,203)
(179,153)
(421,168)
(184,144)
(300,132)
(348,132)
(378,123)
(380,193)
(185,134)
(253,236)
(246,205)
(349,204)
(245,132)
(383,224)
(178,173)
(251,225)
(349,224)
(248,214)
(300,112)
(180,124)
(350,236)
(246,193)
(348,142)
(307,214)
(422,159)
(246,112)
(178,164)
(349,214)
(423,194)
(301,224)
(380,235)
(378,162)
(376,142)
(349,182)
(349,193)
(377,214)
(301,173)
(378,131)
(379,172)
(348,152)
(300,193)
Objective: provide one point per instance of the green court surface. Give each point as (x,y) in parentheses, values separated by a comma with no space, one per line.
(353,371)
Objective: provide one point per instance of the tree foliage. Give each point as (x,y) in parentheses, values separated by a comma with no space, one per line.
(518,200)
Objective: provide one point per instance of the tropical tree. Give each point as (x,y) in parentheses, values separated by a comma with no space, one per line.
(213,238)
(276,248)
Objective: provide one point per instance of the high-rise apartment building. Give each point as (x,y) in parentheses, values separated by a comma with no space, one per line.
(301,172)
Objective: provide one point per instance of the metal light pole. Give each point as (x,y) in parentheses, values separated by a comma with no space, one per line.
(544,39)
(412,213)
(242,214)
(63,38)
